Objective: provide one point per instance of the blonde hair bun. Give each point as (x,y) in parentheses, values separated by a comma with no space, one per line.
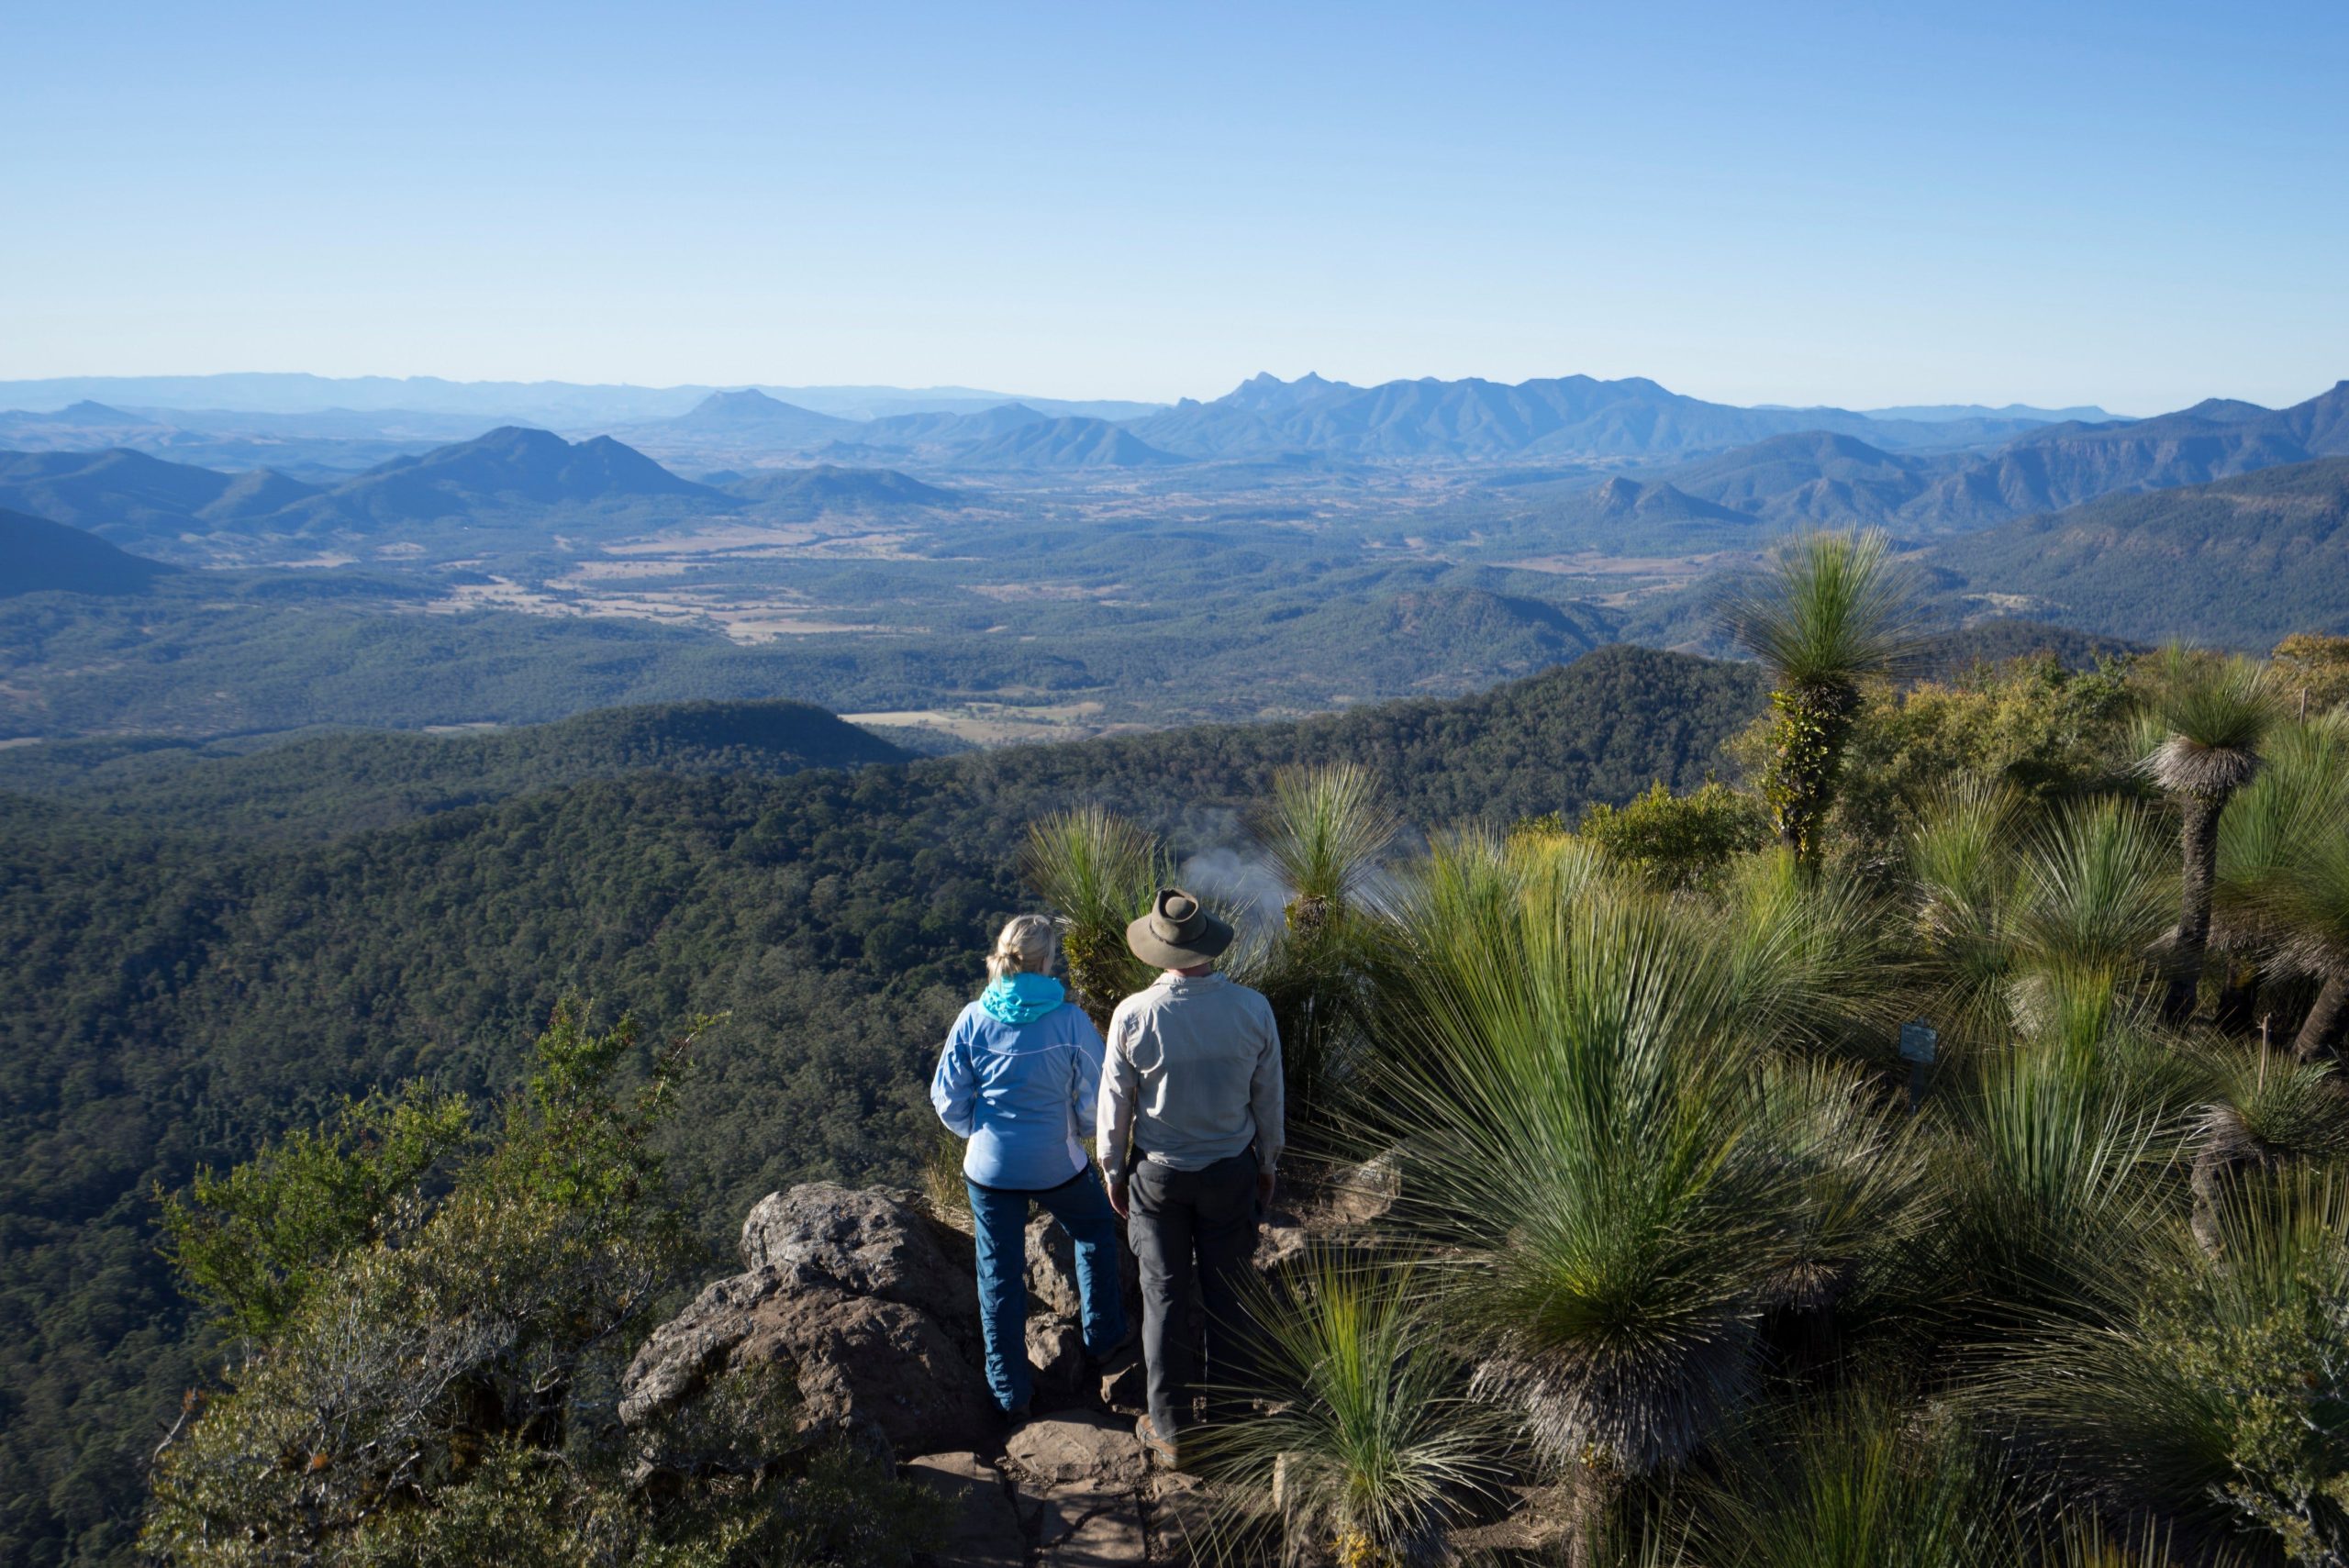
(1024,946)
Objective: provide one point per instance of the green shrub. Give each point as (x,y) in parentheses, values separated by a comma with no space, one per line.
(439,1389)
(1675,841)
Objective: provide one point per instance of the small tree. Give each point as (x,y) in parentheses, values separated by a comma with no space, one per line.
(1674,842)
(1831,611)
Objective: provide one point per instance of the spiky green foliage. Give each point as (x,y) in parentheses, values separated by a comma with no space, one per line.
(1590,1151)
(1096,872)
(2207,717)
(1626,1223)
(2267,1106)
(1325,833)
(2212,1390)
(1865,1481)
(1832,610)
(2021,921)
(1370,1444)
(1811,959)
(2282,889)
(2095,894)
(2296,798)
(1863,1174)
(2052,1149)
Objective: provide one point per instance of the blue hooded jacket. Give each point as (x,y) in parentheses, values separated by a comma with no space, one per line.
(1019,1078)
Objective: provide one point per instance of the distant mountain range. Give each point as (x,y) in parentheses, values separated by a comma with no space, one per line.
(1942,413)
(48,557)
(1473,420)
(316,426)
(510,475)
(1820,478)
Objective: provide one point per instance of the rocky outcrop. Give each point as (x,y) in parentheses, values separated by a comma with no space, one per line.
(866,1303)
(861,1297)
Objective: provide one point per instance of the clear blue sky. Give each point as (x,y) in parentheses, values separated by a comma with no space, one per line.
(2135,205)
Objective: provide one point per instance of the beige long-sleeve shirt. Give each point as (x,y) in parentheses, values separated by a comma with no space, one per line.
(1191,1077)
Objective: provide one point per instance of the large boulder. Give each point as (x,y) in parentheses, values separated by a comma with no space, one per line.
(864,1300)
(862,1364)
(873,1242)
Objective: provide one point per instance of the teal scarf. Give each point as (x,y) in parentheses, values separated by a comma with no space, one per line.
(1021,998)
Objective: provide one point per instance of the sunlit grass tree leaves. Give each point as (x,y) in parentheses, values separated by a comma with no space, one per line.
(1096,872)
(1591,1146)
(2020,916)
(1369,1445)
(1832,610)
(2283,874)
(439,1388)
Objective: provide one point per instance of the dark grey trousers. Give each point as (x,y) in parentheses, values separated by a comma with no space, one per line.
(1193,1233)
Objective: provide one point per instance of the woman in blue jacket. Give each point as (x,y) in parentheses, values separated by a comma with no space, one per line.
(1018,1079)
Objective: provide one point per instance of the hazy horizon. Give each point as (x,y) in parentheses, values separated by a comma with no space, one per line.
(984,389)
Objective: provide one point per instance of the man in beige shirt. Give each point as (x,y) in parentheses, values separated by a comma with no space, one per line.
(1189,1128)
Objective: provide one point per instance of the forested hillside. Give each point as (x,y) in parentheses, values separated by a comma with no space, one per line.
(2238,564)
(329,784)
(166,1002)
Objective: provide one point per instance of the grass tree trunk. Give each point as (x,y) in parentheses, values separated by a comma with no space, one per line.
(2320,1031)
(2199,838)
(1806,750)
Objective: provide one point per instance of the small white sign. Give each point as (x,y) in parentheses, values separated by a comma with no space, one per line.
(1917,1042)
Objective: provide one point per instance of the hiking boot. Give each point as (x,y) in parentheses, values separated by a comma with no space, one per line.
(1166,1450)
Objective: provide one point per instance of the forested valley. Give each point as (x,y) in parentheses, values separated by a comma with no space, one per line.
(183,980)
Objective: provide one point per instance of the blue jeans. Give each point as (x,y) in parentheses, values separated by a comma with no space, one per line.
(1000,1223)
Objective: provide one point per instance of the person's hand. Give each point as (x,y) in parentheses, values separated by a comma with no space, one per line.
(1117,1196)
(1266,1181)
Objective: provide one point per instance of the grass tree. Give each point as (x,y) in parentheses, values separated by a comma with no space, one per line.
(1864,1480)
(2021,921)
(2283,880)
(2208,717)
(1368,1445)
(1617,1195)
(1325,834)
(1098,872)
(1832,610)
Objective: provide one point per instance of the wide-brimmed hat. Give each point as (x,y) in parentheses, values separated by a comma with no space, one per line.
(1178,933)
